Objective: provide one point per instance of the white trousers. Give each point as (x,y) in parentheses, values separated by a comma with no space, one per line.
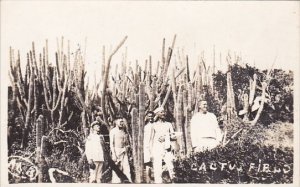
(158,157)
(124,166)
(96,174)
(206,144)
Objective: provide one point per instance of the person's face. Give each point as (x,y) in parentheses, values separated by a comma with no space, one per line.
(203,106)
(161,114)
(150,116)
(96,128)
(121,122)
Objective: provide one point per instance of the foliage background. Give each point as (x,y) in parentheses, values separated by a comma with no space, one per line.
(270,140)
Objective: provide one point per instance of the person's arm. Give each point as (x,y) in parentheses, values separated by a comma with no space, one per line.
(217,129)
(151,140)
(168,137)
(172,133)
(112,145)
(193,131)
(146,137)
(88,150)
(127,143)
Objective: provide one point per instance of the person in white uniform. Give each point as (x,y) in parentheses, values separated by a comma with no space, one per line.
(205,131)
(160,145)
(95,153)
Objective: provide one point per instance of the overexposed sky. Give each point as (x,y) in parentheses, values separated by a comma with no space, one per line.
(259,31)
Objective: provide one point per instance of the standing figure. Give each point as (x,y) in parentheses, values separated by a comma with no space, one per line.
(205,131)
(95,153)
(160,145)
(149,121)
(119,146)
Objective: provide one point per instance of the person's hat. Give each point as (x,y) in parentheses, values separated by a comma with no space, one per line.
(95,123)
(119,116)
(159,109)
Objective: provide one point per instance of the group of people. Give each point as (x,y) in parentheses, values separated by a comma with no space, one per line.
(158,137)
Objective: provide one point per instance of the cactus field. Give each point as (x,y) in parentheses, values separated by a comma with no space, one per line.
(51,105)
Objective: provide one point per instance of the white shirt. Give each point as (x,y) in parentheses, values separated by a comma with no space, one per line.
(147,134)
(204,126)
(118,141)
(93,147)
(161,129)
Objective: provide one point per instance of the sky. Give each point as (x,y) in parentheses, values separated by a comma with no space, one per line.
(259,32)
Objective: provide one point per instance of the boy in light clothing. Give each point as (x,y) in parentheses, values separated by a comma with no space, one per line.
(94,152)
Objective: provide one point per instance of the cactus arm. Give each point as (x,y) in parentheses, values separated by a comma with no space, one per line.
(141,132)
(252,87)
(179,73)
(62,101)
(54,87)
(174,86)
(58,58)
(190,96)
(18,66)
(134,124)
(35,100)
(34,60)
(28,112)
(106,78)
(169,55)
(167,96)
(45,87)
(163,60)
(187,69)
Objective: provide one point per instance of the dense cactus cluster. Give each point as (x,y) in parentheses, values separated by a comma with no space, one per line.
(56,98)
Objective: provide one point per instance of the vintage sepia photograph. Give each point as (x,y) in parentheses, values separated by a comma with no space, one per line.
(150,92)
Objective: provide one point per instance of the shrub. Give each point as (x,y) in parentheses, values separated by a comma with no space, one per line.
(242,161)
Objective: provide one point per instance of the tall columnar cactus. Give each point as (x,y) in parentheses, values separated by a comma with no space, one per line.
(179,120)
(135,130)
(52,97)
(39,134)
(24,90)
(28,112)
(231,110)
(14,75)
(140,141)
(187,130)
(35,100)
(185,124)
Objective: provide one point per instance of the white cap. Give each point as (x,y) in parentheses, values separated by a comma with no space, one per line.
(95,123)
(159,109)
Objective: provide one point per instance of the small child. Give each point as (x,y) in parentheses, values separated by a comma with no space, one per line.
(95,153)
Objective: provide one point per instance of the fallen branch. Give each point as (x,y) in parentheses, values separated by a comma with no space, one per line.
(233,136)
